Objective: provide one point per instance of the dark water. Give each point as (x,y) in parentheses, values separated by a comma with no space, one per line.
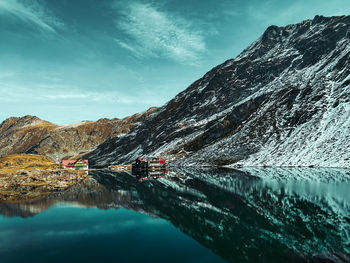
(270,215)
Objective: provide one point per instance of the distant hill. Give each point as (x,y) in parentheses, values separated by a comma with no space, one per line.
(284,101)
(29,134)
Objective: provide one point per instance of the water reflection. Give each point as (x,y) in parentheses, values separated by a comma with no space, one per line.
(241,215)
(142,175)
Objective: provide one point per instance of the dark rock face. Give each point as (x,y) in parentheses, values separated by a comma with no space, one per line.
(283,101)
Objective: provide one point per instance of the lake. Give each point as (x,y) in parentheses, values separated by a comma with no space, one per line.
(186,215)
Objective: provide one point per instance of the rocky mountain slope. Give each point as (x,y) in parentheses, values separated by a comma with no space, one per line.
(284,101)
(29,134)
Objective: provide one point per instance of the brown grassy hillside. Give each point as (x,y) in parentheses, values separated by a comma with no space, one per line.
(29,134)
(27,177)
(11,164)
(17,135)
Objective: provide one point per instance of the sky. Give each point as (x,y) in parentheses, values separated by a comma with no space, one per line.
(72,60)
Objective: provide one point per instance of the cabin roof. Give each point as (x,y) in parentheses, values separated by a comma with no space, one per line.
(75,163)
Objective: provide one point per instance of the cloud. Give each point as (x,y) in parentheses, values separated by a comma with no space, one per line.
(30,12)
(57,102)
(68,95)
(137,52)
(154,33)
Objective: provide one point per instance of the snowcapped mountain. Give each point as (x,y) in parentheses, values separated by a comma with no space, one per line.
(284,101)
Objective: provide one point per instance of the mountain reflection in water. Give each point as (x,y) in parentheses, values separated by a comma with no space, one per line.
(248,215)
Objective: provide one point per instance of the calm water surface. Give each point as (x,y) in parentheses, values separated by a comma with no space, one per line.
(251,215)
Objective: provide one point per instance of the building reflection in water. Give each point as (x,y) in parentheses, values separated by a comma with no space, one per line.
(143,175)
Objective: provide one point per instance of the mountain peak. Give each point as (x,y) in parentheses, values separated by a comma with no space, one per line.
(319,19)
(18,122)
(282,101)
(271,33)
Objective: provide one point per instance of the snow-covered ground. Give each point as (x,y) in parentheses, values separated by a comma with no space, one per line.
(284,101)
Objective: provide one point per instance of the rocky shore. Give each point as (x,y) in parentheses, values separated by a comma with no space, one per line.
(29,177)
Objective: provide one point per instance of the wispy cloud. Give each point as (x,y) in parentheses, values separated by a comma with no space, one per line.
(57,102)
(56,93)
(31,12)
(155,33)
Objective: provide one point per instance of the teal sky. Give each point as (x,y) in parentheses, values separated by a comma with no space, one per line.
(71,60)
